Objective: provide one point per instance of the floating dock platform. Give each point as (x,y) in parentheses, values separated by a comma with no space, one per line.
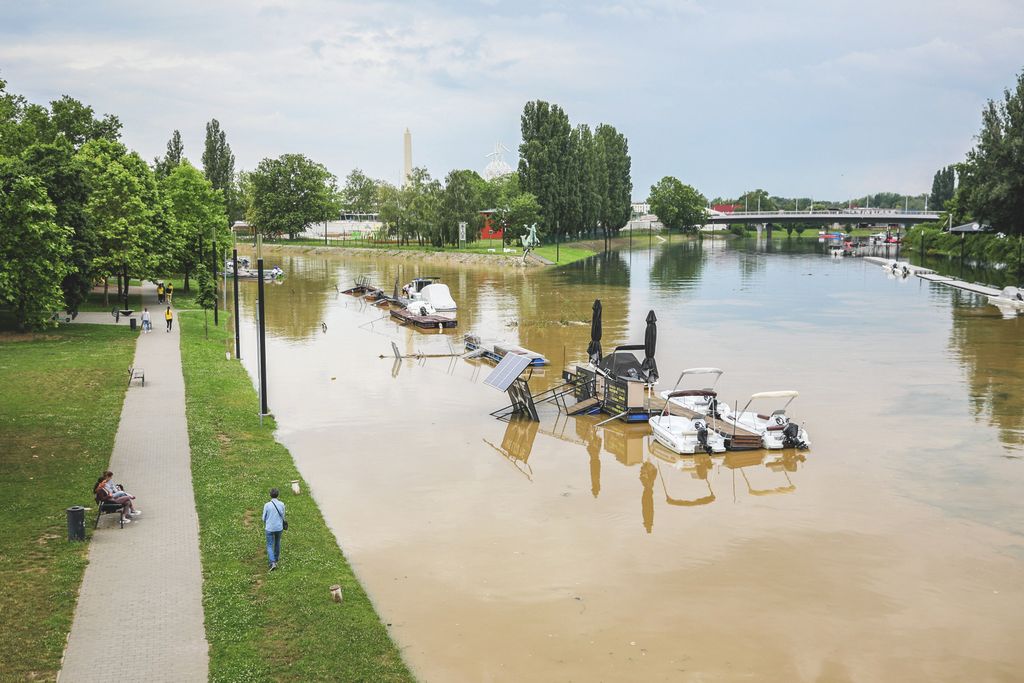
(494,351)
(426,322)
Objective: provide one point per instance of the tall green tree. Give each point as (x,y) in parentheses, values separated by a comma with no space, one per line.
(943,187)
(34,249)
(195,212)
(122,210)
(420,207)
(359,194)
(219,168)
(290,193)
(588,187)
(617,204)
(677,205)
(206,298)
(54,164)
(461,201)
(545,162)
(174,156)
(993,186)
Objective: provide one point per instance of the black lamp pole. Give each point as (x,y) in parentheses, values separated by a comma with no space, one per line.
(215,306)
(238,338)
(263,340)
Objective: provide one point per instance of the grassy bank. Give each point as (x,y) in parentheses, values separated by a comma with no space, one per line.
(59,410)
(267,626)
(567,253)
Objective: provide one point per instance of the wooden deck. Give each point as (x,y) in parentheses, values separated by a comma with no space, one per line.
(736,438)
(960,284)
(427,322)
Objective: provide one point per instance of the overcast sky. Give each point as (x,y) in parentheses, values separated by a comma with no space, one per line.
(821,98)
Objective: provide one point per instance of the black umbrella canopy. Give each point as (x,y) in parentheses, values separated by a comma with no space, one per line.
(649,365)
(594,350)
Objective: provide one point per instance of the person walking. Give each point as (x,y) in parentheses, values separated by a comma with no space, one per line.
(273,525)
(169,317)
(147,321)
(160,292)
(170,292)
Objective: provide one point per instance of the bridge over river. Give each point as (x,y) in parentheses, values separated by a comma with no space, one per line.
(824,217)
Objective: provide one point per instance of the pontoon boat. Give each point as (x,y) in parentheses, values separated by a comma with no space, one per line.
(776,430)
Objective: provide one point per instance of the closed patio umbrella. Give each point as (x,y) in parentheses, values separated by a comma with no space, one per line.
(649,366)
(594,350)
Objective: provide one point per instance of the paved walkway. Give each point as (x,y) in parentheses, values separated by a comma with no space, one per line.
(140,611)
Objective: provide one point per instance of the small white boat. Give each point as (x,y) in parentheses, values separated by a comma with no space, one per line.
(420,308)
(704,402)
(246,271)
(776,430)
(428,289)
(686,435)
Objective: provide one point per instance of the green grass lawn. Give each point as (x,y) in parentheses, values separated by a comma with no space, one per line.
(567,253)
(276,626)
(59,409)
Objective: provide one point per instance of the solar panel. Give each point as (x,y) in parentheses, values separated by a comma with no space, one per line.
(510,367)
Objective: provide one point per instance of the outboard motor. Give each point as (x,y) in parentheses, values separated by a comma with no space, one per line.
(791,436)
(713,408)
(702,436)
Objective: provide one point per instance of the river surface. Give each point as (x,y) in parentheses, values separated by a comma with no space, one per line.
(892,550)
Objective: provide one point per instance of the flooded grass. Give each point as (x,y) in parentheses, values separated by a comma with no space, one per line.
(282,625)
(59,411)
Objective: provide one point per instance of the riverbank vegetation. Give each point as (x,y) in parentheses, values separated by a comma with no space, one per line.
(78,207)
(59,411)
(260,625)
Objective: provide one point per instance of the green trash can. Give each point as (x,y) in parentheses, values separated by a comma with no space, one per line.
(76,523)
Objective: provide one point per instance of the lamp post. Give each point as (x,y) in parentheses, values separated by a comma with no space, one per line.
(262,328)
(213,255)
(234,263)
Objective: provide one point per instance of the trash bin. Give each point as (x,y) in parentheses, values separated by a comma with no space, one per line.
(132,322)
(76,523)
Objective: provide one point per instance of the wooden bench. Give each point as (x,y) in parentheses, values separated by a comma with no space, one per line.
(106,508)
(136,373)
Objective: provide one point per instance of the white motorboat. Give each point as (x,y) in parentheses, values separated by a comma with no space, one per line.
(704,402)
(420,308)
(428,289)
(776,430)
(686,435)
(246,271)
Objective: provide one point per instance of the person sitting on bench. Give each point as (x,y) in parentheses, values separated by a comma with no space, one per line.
(103,497)
(117,492)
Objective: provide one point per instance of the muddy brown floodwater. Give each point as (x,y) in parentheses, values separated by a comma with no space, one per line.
(892,550)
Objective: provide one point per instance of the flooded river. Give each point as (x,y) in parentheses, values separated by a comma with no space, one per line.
(892,550)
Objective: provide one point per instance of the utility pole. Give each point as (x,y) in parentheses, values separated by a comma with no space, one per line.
(262,329)
(238,336)
(213,253)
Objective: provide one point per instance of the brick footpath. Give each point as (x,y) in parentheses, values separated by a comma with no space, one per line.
(140,613)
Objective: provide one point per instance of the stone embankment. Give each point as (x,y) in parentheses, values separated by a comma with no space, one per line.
(462,258)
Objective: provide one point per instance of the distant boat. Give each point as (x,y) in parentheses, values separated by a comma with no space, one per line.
(430,290)
(246,271)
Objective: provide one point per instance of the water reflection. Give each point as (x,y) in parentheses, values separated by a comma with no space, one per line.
(989,348)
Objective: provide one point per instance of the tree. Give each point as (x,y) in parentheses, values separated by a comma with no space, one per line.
(219,168)
(588,199)
(289,193)
(614,164)
(122,210)
(195,214)
(760,200)
(943,187)
(173,157)
(519,212)
(76,122)
(359,195)
(207,296)
(33,248)
(420,207)
(545,160)
(54,164)
(461,201)
(677,206)
(993,186)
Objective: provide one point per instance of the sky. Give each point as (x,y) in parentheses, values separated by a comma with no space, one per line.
(817,98)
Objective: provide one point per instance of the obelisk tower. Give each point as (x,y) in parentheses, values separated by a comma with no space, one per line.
(407,169)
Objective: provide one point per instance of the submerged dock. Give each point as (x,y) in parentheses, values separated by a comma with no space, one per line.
(423,321)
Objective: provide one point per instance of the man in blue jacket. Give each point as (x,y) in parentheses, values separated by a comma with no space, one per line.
(273,523)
